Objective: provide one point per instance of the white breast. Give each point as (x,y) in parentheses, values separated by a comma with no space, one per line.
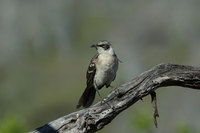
(106,68)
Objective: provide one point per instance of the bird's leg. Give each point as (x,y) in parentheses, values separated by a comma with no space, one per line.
(114,89)
(99,95)
(102,98)
(155,109)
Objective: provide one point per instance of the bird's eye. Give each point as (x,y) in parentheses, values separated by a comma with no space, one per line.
(104,46)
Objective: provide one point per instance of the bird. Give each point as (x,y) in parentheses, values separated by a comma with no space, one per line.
(101,72)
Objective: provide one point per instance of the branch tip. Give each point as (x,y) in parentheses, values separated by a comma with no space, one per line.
(155,109)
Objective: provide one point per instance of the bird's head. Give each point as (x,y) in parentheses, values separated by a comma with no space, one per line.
(103,46)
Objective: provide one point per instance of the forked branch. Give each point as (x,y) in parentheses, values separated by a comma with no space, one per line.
(96,117)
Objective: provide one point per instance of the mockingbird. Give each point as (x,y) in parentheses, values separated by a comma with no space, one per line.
(101,72)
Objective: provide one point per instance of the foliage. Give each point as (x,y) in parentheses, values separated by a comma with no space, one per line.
(12,124)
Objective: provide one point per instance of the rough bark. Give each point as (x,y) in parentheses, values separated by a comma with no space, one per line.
(96,117)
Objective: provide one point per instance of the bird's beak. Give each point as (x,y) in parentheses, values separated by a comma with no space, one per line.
(93,46)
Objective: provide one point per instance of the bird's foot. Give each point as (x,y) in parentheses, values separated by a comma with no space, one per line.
(104,101)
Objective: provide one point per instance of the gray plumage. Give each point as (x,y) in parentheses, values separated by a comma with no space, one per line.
(101,72)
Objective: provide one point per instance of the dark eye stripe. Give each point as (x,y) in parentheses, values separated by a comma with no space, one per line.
(102,45)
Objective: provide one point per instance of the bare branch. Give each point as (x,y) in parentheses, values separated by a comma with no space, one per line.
(96,117)
(155,109)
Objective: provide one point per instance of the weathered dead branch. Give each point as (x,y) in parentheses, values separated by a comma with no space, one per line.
(97,116)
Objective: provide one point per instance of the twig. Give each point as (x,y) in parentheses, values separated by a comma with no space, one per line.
(155,109)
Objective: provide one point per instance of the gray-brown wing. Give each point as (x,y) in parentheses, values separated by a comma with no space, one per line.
(91,71)
(117,63)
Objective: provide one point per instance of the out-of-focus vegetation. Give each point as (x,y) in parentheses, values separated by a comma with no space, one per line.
(185,128)
(44,54)
(12,124)
(142,121)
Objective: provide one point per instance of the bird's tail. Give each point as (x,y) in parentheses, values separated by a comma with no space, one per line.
(87,97)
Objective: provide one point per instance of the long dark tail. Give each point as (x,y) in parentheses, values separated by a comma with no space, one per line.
(87,97)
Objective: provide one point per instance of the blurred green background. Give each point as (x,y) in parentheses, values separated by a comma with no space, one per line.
(44,55)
